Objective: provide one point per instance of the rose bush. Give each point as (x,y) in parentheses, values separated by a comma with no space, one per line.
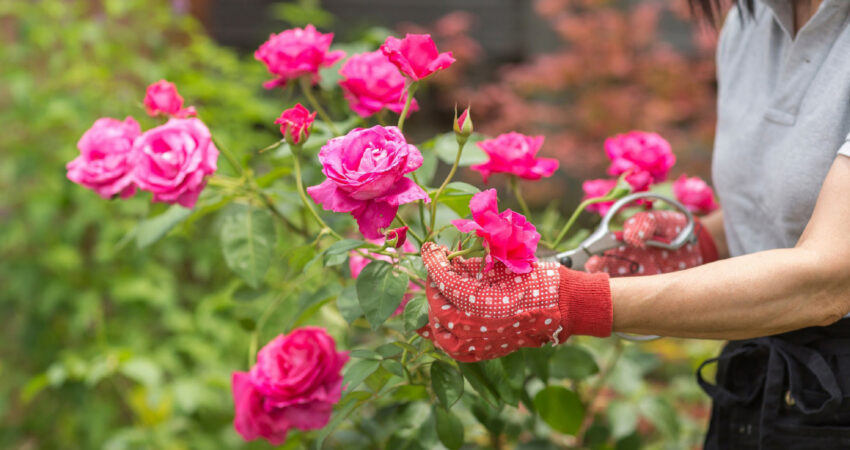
(298,383)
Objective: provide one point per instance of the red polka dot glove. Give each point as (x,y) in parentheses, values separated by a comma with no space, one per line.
(476,315)
(636,258)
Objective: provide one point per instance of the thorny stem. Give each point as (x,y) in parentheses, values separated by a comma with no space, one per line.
(231,158)
(306,89)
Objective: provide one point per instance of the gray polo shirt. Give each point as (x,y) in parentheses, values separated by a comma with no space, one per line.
(783,114)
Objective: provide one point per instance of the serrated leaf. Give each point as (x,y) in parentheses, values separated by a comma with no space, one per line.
(394,367)
(449,428)
(348,305)
(357,372)
(447,383)
(497,377)
(389,350)
(570,361)
(474,374)
(247,240)
(560,408)
(379,291)
(151,230)
(415,314)
(337,253)
(364,353)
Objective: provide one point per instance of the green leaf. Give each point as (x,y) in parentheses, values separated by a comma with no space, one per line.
(514,367)
(410,393)
(378,379)
(570,361)
(474,374)
(357,372)
(394,367)
(537,359)
(661,414)
(497,377)
(415,314)
(457,196)
(310,302)
(389,350)
(247,323)
(447,383)
(337,253)
(364,353)
(560,408)
(623,417)
(379,291)
(247,240)
(348,305)
(426,171)
(449,428)
(152,229)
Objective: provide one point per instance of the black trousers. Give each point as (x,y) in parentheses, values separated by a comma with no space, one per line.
(789,391)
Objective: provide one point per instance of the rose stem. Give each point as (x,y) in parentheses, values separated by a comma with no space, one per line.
(296,154)
(445,183)
(306,89)
(229,156)
(581,207)
(410,91)
(518,196)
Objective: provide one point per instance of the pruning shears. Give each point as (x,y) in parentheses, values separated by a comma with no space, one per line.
(603,239)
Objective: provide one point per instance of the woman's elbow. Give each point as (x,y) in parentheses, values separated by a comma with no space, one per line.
(828,286)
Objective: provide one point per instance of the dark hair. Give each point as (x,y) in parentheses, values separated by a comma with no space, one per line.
(711,10)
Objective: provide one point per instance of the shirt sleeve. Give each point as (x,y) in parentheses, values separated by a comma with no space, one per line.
(845,149)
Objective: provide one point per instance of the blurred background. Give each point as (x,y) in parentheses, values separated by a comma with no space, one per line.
(105,345)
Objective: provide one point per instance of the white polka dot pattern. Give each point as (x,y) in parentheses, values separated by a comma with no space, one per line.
(637,259)
(474,309)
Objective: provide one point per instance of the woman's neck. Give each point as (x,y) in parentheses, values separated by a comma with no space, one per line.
(803,11)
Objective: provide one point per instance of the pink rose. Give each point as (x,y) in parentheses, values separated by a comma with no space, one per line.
(514,153)
(598,188)
(647,155)
(416,55)
(173,160)
(162,98)
(294,384)
(105,161)
(298,121)
(357,261)
(296,52)
(371,83)
(365,171)
(695,194)
(508,236)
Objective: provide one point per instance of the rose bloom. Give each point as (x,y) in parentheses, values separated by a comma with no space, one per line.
(105,161)
(173,160)
(294,384)
(695,194)
(416,55)
(647,155)
(297,52)
(370,83)
(366,176)
(508,236)
(162,98)
(514,153)
(298,121)
(598,188)
(357,261)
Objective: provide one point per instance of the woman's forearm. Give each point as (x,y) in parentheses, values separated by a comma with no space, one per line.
(748,296)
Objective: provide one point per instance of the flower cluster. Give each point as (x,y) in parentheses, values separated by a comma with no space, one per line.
(294,384)
(171,161)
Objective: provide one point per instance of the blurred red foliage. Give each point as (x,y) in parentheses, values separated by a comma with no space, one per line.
(616,71)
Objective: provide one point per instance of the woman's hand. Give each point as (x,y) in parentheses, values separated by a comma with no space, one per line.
(635,258)
(476,315)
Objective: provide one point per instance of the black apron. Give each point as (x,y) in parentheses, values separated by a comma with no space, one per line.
(789,391)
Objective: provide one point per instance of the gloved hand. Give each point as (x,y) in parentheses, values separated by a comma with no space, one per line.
(636,258)
(477,315)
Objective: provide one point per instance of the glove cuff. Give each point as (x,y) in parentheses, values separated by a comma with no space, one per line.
(707,247)
(585,303)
